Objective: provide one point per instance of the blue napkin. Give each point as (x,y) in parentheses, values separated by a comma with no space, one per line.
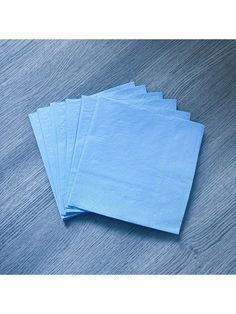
(149,101)
(137,165)
(88,104)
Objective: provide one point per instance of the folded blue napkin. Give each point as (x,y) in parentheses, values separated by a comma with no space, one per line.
(88,104)
(155,104)
(137,165)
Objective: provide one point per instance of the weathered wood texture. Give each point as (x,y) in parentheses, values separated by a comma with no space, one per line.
(33,239)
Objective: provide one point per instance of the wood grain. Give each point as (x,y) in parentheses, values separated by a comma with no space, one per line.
(33,239)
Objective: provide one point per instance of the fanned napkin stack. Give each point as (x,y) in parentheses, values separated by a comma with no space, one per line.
(123,153)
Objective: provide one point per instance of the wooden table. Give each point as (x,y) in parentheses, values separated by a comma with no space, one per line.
(34,240)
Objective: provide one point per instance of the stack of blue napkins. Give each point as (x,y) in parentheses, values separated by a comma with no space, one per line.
(123,153)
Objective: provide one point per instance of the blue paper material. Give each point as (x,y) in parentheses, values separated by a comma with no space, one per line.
(147,101)
(67,162)
(48,127)
(85,115)
(137,166)
(44,125)
(72,121)
(35,123)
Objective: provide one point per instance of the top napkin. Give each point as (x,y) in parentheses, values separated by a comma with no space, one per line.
(137,165)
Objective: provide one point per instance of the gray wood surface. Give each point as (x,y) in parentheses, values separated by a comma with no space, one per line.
(33,239)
